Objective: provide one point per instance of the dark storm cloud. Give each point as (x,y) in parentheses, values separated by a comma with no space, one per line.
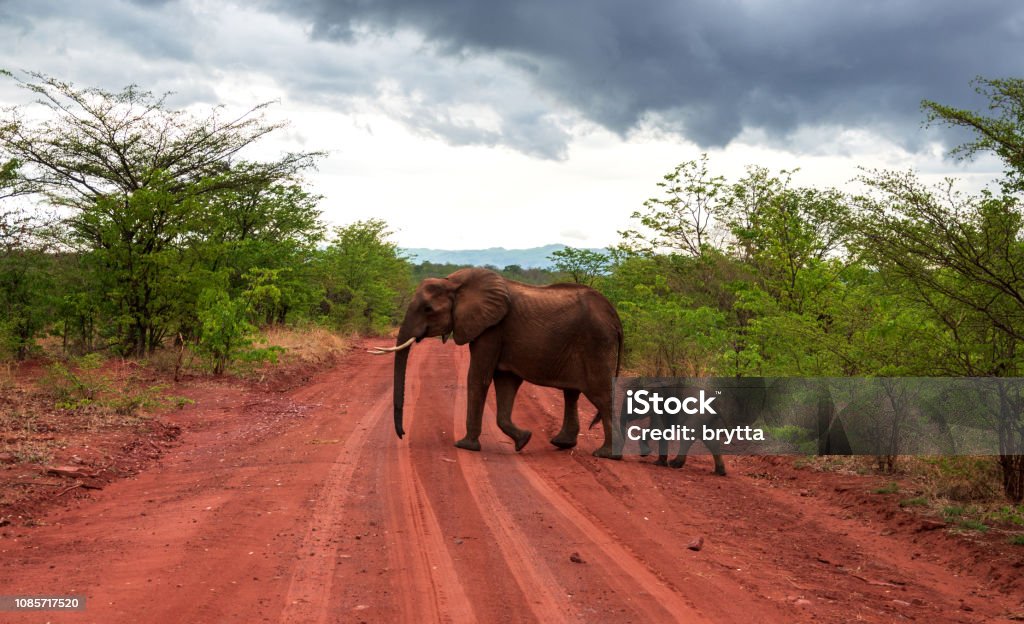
(520,73)
(712,68)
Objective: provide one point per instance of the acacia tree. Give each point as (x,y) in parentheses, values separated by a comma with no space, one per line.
(25,286)
(1002,132)
(134,179)
(583,265)
(685,218)
(960,258)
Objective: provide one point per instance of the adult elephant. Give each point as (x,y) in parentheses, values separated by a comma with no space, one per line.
(564,336)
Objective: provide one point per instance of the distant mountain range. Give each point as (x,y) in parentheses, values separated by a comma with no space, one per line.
(532,258)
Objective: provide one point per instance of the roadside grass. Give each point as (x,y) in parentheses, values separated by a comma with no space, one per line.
(891,488)
(301,345)
(917,501)
(307,345)
(47,407)
(97,411)
(964,491)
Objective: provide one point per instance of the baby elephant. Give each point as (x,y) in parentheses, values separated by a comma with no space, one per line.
(714,411)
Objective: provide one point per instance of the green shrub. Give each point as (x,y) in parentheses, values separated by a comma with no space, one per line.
(225,334)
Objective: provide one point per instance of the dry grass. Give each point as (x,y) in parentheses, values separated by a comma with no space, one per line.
(964,479)
(312,345)
(299,345)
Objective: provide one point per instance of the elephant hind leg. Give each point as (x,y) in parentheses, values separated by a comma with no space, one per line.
(603,402)
(716,451)
(566,438)
(505,387)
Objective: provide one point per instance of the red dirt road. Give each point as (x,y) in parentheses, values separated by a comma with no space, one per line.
(303,507)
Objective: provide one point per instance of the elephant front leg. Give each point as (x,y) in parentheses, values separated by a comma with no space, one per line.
(566,438)
(662,453)
(656,423)
(474,415)
(680,459)
(483,358)
(505,387)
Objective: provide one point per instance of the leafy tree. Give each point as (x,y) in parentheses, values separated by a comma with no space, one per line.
(364,277)
(583,265)
(26,289)
(961,258)
(225,333)
(1002,132)
(685,218)
(141,183)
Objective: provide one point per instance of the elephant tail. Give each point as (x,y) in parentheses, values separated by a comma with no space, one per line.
(618,356)
(618,367)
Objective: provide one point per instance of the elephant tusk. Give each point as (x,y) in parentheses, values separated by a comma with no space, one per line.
(386,350)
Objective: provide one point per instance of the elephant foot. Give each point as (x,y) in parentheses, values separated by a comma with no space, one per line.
(469,445)
(564,441)
(645,452)
(720,471)
(606,452)
(661,461)
(678,462)
(523,440)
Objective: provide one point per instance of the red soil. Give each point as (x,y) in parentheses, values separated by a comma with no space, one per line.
(302,506)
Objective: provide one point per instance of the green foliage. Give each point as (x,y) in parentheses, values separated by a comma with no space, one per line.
(683,219)
(537,276)
(1007,514)
(1001,133)
(76,386)
(159,207)
(26,288)
(953,513)
(225,334)
(582,265)
(364,278)
(800,437)
(917,501)
(973,525)
(666,336)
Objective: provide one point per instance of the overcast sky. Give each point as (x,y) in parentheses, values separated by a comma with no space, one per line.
(470,124)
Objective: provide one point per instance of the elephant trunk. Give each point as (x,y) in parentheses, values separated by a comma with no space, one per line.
(401,359)
(405,334)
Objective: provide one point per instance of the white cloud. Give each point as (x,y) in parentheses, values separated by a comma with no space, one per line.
(455,150)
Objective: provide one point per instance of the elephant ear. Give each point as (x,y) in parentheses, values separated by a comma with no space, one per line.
(481,300)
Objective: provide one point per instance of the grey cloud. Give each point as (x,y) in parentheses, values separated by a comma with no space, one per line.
(702,69)
(712,69)
(105,44)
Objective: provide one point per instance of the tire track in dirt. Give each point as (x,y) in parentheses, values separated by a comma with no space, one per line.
(769,549)
(546,596)
(310,587)
(626,575)
(436,592)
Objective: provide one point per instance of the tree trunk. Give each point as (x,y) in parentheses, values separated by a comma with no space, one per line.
(1013,476)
